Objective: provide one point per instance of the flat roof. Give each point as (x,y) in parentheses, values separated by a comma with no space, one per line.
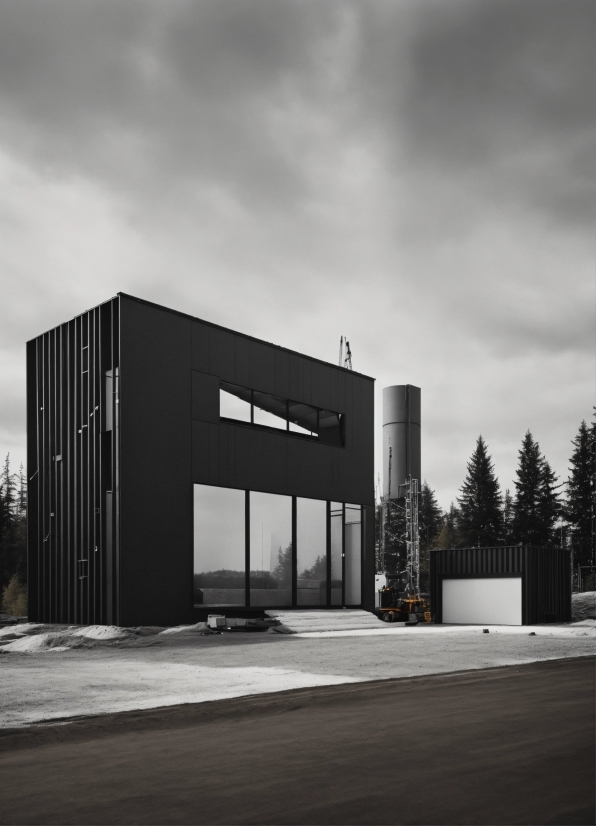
(216,326)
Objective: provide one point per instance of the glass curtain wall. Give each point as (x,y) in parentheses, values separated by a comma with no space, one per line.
(321,548)
(270,549)
(337,543)
(311,551)
(353,555)
(219,546)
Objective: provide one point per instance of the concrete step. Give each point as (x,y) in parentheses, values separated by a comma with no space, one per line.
(346,619)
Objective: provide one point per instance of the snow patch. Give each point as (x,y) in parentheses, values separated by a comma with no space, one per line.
(101,632)
(31,644)
(20,629)
(178,629)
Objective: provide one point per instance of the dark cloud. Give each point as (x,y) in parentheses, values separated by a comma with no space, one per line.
(414,173)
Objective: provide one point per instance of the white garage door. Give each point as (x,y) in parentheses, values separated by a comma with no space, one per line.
(483,601)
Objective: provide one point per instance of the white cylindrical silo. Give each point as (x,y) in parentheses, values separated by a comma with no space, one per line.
(401,433)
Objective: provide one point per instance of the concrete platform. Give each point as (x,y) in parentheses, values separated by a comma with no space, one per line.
(342,619)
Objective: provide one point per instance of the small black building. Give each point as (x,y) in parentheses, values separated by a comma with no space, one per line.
(518,585)
(178,468)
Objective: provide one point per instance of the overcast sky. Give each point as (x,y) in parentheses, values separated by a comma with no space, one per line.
(413,174)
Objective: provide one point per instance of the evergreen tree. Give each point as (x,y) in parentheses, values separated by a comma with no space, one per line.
(549,504)
(13,528)
(526,522)
(580,492)
(448,536)
(480,521)
(316,571)
(430,516)
(430,522)
(283,570)
(507,518)
(536,507)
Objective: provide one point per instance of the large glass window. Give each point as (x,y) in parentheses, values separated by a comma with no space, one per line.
(270,549)
(234,402)
(219,546)
(353,555)
(220,539)
(337,552)
(311,551)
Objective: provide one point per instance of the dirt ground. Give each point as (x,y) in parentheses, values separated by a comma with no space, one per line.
(106,674)
(511,745)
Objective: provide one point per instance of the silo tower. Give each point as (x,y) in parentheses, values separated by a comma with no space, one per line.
(401,433)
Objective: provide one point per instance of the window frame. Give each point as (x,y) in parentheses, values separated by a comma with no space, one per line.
(311,437)
(295,539)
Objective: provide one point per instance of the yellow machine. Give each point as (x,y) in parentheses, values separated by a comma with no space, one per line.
(393,608)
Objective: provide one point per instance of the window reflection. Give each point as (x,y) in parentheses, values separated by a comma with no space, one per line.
(220,577)
(336,553)
(303,418)
(353,555)
(270,549)
(219,546)
(311,550)
(269,410)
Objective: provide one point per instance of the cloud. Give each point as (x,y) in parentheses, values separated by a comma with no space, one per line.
(414,174)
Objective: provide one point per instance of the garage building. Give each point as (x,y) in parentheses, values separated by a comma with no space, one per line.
(518,585)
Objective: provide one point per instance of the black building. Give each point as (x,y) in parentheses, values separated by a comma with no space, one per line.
(178,468)
(516,585)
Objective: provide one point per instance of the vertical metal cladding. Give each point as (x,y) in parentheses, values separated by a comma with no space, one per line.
(545,572)
(72,463)
(401,432)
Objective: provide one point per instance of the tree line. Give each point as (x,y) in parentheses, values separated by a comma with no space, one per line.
(13,539)
(540,510)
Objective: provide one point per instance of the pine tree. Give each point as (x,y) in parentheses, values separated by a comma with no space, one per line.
(22,492)
(536,507)
(549,504)
(448,536)
(430,516)
(430,522)
(508,518)
(526,523)
(283,570)
(13,530)
(579,504)
(480,521)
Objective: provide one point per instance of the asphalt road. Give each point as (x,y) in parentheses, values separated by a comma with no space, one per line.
(506,745)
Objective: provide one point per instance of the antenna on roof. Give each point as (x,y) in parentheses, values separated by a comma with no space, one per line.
(345,358)
(348,359)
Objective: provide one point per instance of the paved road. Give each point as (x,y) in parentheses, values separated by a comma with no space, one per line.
(507,745)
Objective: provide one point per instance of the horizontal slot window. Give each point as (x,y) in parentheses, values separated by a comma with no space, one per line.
(266,410)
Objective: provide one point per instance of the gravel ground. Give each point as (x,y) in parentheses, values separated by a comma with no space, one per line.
(107,672)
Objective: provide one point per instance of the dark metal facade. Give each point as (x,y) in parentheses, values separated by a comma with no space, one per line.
(123,419)
(72,463)
(545,573)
